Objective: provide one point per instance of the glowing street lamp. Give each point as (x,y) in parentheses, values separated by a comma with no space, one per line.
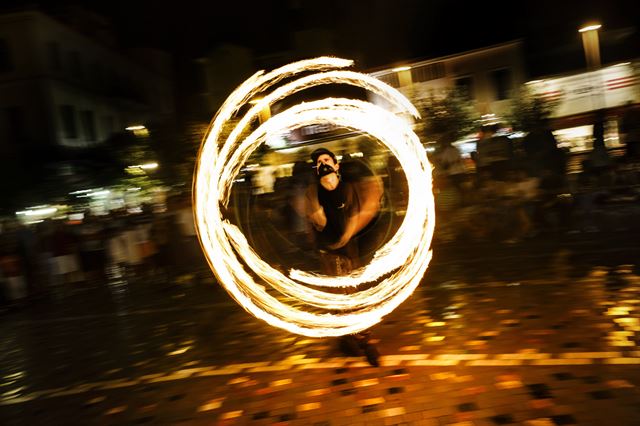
(590,28)
(404,75)
(138,130)
(591,45)
(139,169)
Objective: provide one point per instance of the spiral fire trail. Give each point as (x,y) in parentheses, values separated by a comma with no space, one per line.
(403,260)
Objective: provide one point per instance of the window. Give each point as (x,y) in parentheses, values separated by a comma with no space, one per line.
(54,55)
(88,125)
(107,126)
(391,79)
(16,126)
(427,72)
(501,80)
(68,117)
(6,62)
(75,63)
(465,85)
(97,73)
(201,81)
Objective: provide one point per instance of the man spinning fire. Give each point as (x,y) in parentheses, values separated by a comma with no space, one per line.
(339,211)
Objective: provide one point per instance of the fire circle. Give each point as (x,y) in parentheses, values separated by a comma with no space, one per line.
(308,306)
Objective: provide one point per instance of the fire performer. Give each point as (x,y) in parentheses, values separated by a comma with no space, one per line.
(339,210)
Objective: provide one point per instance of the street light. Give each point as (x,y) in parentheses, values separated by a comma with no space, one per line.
(591,45)
(138,130)
(404,75)
(590,28)
(592,55)
(140,169)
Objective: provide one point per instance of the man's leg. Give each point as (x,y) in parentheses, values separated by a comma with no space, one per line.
(370,350)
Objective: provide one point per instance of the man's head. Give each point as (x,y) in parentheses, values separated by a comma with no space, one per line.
(324,161)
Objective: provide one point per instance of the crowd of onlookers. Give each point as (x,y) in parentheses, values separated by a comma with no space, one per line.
(509,191)
(53,257)
(517,190)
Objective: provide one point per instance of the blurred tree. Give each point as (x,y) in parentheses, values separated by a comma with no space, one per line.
(530,111)
(17,182)
(176,150)
(47,174)
(139,162)
(449,116)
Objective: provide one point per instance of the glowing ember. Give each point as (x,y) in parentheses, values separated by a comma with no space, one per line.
(403,260)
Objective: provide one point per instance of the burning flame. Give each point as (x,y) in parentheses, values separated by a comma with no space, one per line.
(403,259)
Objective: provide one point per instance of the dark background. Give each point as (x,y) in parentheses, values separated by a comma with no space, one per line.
(377,32)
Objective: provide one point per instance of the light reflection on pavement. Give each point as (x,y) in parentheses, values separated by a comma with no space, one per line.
(551,337)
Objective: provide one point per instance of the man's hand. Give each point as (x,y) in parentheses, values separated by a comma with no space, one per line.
(313,209)
(346,237)
(341,243)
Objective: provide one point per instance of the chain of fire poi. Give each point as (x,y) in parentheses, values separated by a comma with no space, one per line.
(402,260)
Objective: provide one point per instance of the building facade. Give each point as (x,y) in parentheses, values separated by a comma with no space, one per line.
(578,96)
(489,76)
(61,88)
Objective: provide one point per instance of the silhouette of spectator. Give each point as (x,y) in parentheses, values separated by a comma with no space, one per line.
(630,130)
(542,152)
(494,153)
(599,161)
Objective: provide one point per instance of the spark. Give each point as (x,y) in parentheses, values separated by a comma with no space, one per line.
(403,260)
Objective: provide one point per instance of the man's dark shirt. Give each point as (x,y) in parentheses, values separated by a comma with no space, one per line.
(338,206)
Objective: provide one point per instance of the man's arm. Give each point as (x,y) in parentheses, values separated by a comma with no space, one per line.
(314,211)
(369,192)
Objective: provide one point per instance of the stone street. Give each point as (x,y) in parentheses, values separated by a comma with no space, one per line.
(539,333)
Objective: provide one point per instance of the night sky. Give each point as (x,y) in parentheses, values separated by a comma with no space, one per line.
(380,32)
(377,32)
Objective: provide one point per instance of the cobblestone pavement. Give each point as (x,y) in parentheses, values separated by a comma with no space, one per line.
(544,333)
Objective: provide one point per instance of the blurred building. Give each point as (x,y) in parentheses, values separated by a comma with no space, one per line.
(63,87)
(579,95)
(213,77)
(489,76)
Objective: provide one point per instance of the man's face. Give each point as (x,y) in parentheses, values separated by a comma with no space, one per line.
(328,160)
